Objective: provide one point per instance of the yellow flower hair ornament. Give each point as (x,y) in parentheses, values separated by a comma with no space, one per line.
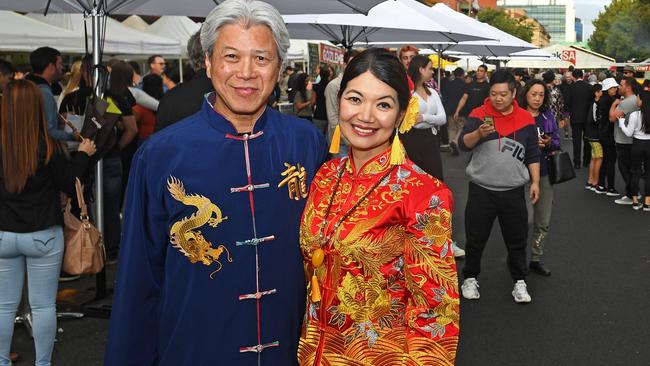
(398,153)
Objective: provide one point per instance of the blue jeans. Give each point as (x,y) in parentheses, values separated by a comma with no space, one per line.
(41,254)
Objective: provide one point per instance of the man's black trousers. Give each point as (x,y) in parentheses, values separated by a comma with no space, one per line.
(483,206)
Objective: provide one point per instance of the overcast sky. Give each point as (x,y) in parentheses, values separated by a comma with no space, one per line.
(588,10)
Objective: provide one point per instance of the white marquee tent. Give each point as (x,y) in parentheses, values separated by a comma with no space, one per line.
(136,22)
(120,39)
(24,34)
(179,28)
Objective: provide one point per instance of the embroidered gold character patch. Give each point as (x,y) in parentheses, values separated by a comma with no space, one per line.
(295,178)
(191,242)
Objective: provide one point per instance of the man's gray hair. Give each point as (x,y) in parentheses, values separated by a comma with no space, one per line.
(195,52)
(248,13)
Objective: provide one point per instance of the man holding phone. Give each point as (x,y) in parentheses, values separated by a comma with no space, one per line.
(505,156)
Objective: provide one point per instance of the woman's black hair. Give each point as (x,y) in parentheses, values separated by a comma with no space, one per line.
(645,112)
(121,79)
(152,84)
(325,74)
(418,62)
(301,85)
(521,98)
(385,66)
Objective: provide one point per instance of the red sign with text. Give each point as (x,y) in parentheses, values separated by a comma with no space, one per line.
(331,55)
(568,55)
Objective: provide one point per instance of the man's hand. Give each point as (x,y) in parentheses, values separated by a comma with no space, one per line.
(534,192)
(456,115)
(419,118)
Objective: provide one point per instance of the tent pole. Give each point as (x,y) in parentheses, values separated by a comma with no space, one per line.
(96,14)
(180,68)
(439,73)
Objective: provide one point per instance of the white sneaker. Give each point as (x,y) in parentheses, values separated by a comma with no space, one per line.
(625,200)
(520,293)
(470,289)
(458,251)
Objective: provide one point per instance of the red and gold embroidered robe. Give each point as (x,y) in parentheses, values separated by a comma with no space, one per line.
(388,283)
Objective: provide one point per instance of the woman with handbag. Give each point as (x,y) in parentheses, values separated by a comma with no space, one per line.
(534,97)
(34,169)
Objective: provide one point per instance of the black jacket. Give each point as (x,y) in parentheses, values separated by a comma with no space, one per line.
(38,206)
(579,99)
(183,101)
(605,127)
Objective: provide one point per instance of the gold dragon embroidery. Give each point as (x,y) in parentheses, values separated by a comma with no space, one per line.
(191,242)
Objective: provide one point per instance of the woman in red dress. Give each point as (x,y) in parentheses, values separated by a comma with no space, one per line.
(376,236)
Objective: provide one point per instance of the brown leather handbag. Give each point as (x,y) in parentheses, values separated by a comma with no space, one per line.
(84,246)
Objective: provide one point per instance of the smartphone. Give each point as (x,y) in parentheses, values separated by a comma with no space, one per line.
(488,120)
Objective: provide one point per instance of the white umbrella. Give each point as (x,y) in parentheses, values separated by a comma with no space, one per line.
(387,22)
(500,43)
(197,8)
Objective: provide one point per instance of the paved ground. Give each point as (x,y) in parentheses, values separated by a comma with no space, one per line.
(593,310)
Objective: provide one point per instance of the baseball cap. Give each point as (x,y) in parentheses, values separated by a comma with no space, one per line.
(609,83)
(628,68)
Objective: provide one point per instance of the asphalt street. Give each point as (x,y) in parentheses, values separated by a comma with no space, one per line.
(592,310)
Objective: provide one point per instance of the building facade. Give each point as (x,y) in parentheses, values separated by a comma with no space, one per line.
(579,30)
(468,7)
(557,16)
(541,38)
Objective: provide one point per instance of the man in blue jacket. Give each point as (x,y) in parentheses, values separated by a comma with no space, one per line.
(210,269)
(47,68)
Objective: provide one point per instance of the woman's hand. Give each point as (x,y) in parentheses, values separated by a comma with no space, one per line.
(544,141)
(485,130)
(88,146)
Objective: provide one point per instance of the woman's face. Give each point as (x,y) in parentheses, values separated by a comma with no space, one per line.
(426,72)
(535,97)
(369,113)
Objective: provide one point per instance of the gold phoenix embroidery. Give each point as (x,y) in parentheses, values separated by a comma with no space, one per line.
(295,178)
(191,242)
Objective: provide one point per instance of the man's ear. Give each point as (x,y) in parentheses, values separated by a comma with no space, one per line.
(208,65)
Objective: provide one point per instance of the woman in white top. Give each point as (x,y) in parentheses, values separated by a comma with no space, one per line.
(638,127)
(422,142)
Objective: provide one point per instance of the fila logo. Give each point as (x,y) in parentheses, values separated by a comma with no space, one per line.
(516,149)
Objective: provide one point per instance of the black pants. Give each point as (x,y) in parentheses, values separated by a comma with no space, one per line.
(580,149)
(112,204)
(444,135)
(483,206)
(624,155)
(423,148)
(640,158)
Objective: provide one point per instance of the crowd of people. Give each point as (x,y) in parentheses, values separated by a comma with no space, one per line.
(360,267)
